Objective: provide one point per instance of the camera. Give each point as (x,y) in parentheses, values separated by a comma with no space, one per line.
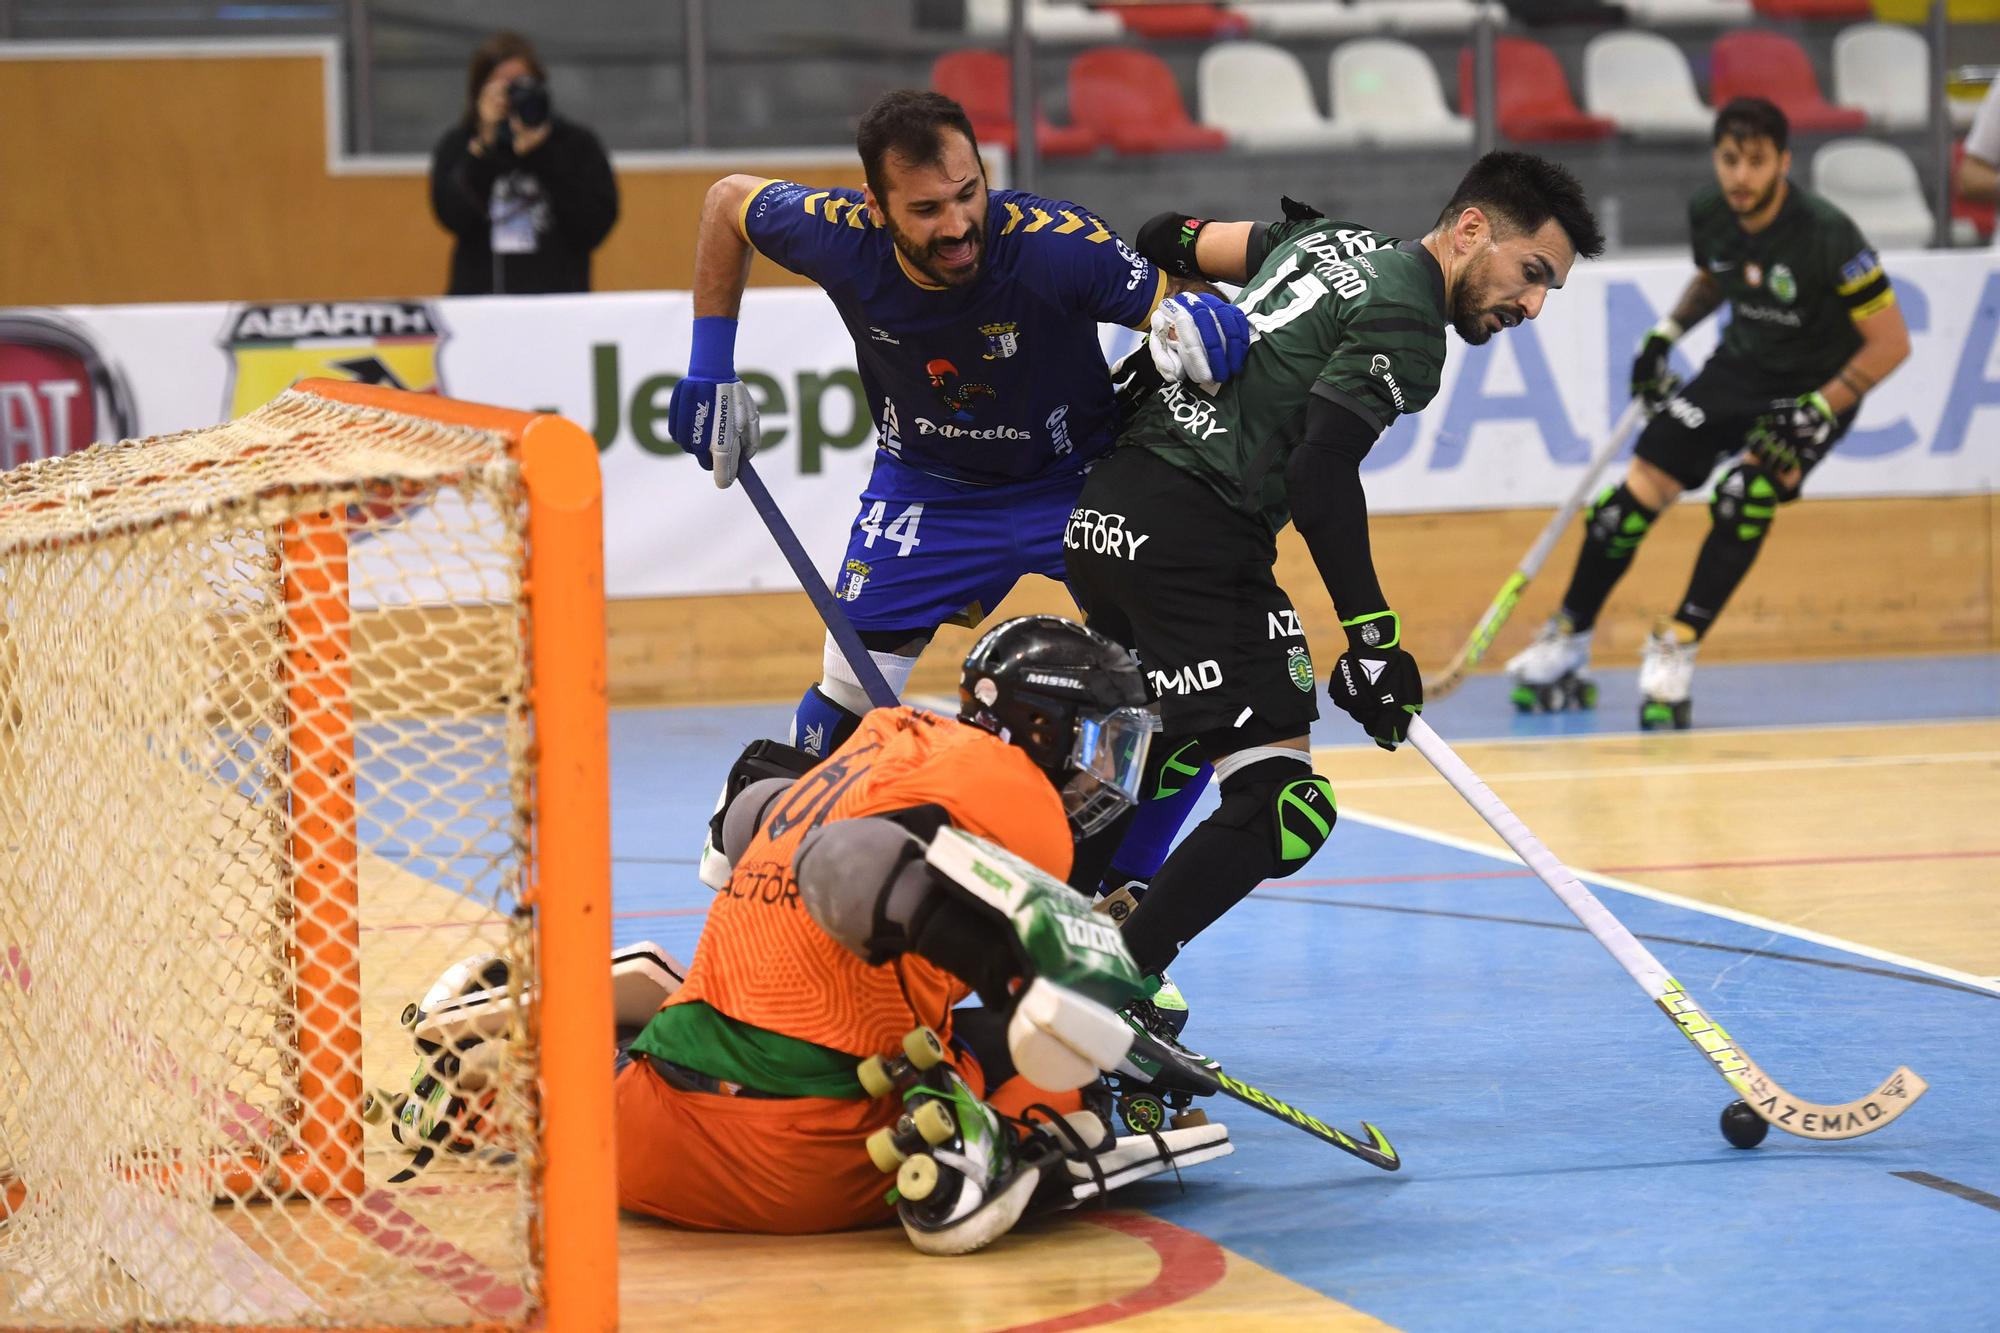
(528,101)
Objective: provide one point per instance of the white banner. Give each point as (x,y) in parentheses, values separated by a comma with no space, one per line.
(1510,427)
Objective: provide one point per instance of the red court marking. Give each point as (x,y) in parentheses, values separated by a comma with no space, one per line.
(378,1218)
(1189,1265)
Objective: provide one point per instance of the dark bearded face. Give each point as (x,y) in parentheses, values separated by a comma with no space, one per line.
(936,212)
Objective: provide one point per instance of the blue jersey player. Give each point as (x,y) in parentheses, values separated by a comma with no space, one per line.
(975,316)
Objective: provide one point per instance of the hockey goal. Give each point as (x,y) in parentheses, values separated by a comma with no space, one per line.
(296,713)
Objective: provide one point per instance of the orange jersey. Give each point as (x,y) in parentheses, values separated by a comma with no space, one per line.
(764,961)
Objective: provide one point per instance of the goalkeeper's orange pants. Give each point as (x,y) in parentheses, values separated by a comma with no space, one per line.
(775,1165)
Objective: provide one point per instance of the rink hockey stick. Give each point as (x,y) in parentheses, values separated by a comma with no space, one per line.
(1503,603)
(1377,1151)
(1794,1115)
(837,623)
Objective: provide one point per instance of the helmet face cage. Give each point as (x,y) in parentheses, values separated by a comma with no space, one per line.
(1106,764)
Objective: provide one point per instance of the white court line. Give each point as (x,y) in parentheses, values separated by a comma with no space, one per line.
(1676,900)
(1762,729)
(1716,766)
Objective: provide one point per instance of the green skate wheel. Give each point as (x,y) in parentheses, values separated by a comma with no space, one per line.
(1143,1113)
(916,1178)
(883,1152)
(1657,716)
(1585,694)
(933,1121)
(1524,699)
(874,1075)
(923,1048)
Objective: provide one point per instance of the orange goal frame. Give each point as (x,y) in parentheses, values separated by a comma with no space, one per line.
(570,878)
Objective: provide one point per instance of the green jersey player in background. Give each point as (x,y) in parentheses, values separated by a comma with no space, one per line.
(1172,545)
(1814,328)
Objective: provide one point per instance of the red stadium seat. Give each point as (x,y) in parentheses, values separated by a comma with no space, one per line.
(983,83)
(1130,100)
(1532,97)
(1764,64)
(1198,21)
(1979,215)
(1815,9)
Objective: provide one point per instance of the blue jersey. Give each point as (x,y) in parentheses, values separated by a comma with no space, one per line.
(998,382)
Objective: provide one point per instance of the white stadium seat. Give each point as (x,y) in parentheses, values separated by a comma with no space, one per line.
(1642,81)
(1388,91)
(1431,16)
(1714,13)
(1308,18)
(1877,186)
(1049,20)
(1886,71)
(1260,96)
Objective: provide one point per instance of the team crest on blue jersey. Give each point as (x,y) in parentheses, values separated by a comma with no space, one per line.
(958,394)
(852,576)
(1002,340)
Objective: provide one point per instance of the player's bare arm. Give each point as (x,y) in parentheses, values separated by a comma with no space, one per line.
(1978,180)
(1885,344)
(1702,298)
(722,253)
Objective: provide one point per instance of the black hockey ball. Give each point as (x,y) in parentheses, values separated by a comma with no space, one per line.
(1743,1127)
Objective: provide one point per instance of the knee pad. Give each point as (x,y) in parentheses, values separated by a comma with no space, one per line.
(1294,809)
(1745,501)
(1618,520)
(761,762)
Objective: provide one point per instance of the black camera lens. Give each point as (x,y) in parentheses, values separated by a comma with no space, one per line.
(528,101)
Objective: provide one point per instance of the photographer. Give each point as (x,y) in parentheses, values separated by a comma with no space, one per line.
(526,193)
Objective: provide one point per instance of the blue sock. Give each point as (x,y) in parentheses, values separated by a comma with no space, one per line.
(819,725)
(1160,817)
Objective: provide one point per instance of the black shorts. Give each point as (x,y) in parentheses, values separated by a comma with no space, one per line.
(1707,421)
(1158,562)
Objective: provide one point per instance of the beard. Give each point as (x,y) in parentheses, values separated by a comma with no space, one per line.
(923,258)
(1761,202)
(1472,302)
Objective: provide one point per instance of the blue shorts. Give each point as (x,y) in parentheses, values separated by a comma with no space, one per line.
(926,552)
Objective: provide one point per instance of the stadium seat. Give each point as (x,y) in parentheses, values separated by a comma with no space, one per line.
(1877,186)
(1885,71)
(1388,92)
(1421,16)
(983,83)
(1206,22)
(1532,97)
(1642,81)
(1308,18)
(1814,9)
(1260,97)
(1048,20)
(1686,13)
(1765,64)
(1129,100)
(1978,216)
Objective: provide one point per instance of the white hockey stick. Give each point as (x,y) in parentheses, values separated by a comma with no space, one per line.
(1808,1120)
(1502,605)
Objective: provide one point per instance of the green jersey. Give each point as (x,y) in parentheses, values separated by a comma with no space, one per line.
(1795,288)
(1336,310)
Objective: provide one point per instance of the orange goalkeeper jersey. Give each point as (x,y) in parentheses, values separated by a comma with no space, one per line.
(762,960)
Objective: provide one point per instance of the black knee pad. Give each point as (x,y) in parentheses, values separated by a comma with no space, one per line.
(1287,802)
(760,761)
(1745,501)
(1618,520)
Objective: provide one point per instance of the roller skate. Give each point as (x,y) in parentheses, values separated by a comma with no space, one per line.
(1548,673)
(1154,1086)
(1165,1011)
(1666,677)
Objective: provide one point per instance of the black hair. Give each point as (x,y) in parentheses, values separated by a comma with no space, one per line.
(488,56)
(1752,118)
(910,123)
(1520,192)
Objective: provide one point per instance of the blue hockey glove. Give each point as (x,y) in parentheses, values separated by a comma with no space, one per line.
(1375,682)
(1792,432)
(1200,337)
(712,414)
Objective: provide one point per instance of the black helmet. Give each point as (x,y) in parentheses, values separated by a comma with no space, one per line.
(1073,700)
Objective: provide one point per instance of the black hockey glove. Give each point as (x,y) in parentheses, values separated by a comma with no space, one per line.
(1375,682)
(1792,432)
(1652,381)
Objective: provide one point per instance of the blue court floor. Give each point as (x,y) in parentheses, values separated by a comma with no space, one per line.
(1563,1164)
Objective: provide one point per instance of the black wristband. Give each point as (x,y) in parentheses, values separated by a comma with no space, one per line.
(1168,239)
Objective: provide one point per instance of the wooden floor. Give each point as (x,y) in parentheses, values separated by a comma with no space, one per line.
(1883,836)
